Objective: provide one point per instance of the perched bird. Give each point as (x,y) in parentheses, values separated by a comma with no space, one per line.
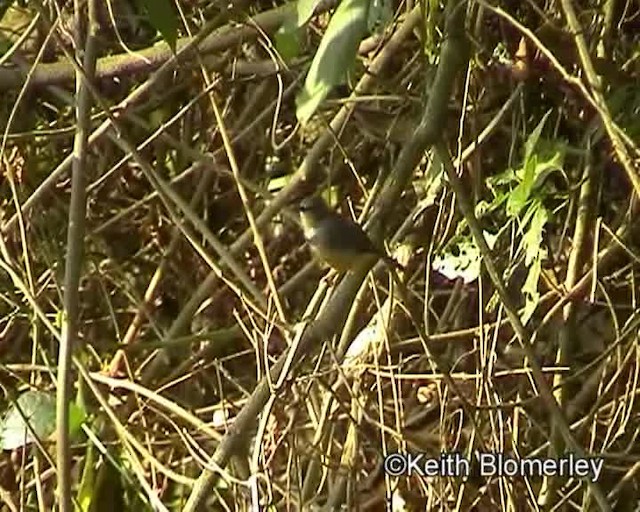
(337,240)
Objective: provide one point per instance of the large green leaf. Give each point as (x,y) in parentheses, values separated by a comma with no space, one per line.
(287,39)
(163,18)
(38,410)
(335,56)
(304,10)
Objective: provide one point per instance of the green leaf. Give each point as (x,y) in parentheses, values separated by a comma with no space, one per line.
(462,259)
(530,291)
(304,10)
(432,182)
(278,183)
(546,165)
(287,39)
(532,240)
(528,214)
(380,14)
(77,416)
(520,195)
(34,407)
(430,9)
(163,18)
(482,207)
(506,177)
(532,140)
(335,56)
(307,102)
(87,487)
(38,410)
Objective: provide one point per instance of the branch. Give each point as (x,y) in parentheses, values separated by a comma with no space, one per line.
(85,53)
(334,315)
(150,59)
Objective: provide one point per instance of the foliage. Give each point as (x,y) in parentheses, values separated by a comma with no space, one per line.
(335,55)
(34,414)
(162,17)
(196,282)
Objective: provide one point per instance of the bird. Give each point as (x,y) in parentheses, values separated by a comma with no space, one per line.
(338,241)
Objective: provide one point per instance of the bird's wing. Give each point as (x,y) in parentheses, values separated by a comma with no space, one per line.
(358,238)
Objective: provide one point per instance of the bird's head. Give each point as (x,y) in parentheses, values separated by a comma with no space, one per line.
(314,210)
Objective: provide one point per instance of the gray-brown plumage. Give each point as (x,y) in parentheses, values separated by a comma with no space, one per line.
(337,240)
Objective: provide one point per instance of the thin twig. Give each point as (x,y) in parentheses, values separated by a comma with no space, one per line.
(85,53)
